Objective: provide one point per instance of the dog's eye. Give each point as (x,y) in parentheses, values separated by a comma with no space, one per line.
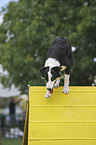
(56,75)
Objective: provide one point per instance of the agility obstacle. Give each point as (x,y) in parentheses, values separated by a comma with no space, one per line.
(61,119)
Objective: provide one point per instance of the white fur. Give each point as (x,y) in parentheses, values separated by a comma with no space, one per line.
(57,83)
(50,83)
(49,74)
(47,95)
(52,62)
(66,84)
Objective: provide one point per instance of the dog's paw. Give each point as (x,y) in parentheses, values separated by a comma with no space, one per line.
(57,84)
(66,90)
(47,95)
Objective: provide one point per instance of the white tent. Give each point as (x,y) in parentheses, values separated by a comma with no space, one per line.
(9,92)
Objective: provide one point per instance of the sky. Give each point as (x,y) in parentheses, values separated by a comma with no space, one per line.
(3,3)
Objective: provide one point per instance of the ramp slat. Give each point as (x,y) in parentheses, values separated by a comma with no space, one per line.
(62,119)
(63,114)
(81,97)
(62,131)
(63,142)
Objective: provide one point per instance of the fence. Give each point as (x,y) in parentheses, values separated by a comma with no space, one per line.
(12,128)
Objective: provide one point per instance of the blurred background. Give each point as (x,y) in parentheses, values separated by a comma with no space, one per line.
(27,28)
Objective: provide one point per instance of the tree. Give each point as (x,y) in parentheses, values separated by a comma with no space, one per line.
(85,43)
(30,26)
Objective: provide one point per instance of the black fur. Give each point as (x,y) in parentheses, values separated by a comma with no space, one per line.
(44,73)
(60,49)
(55,71)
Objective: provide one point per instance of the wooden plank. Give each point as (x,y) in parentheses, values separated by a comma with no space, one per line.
(62,114)
(63,142)
(62,119)
(72,88)
(62,130)
(81,97)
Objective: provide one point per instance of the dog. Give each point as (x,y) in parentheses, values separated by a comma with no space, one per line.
(59,57)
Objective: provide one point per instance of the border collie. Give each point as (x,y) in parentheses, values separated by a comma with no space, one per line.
(59,57)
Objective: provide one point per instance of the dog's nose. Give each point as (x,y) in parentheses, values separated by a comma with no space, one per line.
(49,89)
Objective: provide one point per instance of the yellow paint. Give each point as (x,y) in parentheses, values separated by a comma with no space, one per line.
(62,119)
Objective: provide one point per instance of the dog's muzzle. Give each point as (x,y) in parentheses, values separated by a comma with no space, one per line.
(50,90)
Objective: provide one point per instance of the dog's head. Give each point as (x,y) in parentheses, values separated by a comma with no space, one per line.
(50,75)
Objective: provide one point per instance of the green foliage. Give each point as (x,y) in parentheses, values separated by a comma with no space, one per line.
(30,26)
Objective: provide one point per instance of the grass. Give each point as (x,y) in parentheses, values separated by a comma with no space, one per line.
(11,141)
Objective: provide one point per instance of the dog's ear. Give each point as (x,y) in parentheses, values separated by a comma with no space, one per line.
(43,70)
(56,73)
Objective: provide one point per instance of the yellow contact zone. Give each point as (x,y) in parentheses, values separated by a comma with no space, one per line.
(62,119)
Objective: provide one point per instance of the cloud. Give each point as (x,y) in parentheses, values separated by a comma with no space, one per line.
(1,18)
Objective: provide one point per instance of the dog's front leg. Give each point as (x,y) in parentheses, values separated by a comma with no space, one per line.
(57,83)
(66,84)
(47,95)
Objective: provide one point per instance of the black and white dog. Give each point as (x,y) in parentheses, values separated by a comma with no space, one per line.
(59,57)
